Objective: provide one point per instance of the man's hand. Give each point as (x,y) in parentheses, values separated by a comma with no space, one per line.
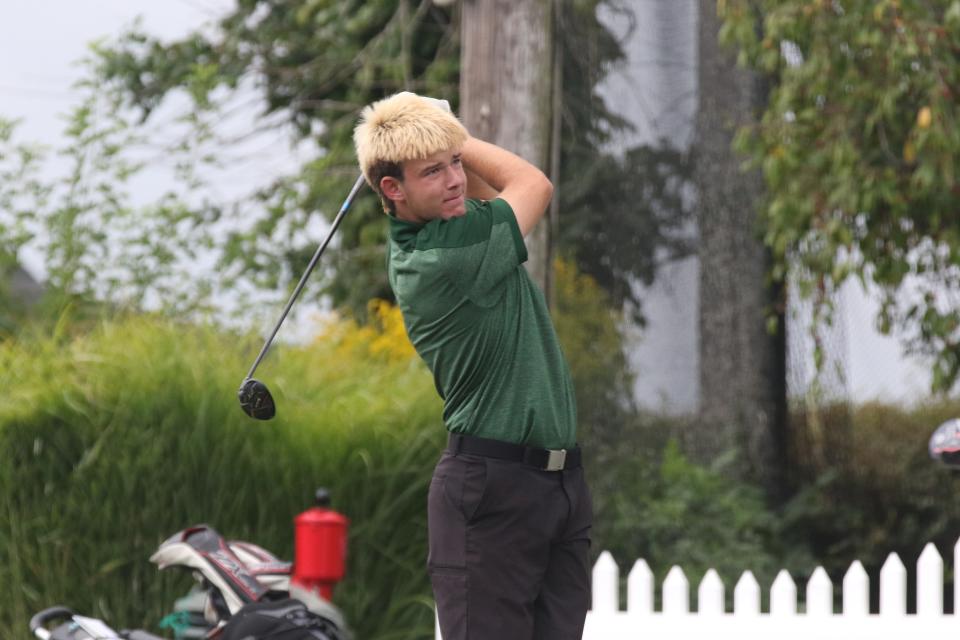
(437,102)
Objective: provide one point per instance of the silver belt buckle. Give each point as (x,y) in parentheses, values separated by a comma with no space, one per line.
(556,459)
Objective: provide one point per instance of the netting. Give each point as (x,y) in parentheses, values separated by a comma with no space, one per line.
(818,379)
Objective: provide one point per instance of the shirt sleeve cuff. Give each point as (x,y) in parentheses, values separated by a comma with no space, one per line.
(505,211)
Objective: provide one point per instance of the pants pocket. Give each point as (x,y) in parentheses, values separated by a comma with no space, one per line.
(454,501)
(446,529)
(465,486)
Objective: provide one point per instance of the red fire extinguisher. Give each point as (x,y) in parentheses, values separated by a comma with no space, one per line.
(320,547)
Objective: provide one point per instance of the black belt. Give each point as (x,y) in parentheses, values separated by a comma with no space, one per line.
(545,459)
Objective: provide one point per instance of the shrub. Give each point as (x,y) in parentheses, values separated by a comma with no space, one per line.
(877,491)
(670,511)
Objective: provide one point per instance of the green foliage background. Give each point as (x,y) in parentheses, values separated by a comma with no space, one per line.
(114,440)
(310,66)
(860,147)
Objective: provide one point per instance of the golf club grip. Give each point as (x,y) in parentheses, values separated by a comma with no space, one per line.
(39,621)
(306,274)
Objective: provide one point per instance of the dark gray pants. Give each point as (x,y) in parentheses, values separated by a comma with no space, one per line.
(509,550)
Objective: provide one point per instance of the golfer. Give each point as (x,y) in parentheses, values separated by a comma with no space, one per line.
(509,513)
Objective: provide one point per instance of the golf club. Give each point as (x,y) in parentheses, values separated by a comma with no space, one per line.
(255,398)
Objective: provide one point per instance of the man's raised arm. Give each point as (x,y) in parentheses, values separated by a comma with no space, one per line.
(524,187)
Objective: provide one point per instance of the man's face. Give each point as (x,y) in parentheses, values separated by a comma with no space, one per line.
(431,188)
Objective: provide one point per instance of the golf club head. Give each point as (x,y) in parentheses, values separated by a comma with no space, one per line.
(945,443)
(255,400)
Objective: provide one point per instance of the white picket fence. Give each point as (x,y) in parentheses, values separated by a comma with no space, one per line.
(786,618)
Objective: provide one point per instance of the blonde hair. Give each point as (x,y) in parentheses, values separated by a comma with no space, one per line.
(403,127)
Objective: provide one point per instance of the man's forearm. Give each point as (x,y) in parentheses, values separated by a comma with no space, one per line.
(525,188)
(494,165)
(478,188)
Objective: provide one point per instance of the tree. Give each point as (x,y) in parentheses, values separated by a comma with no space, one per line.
(312,65)
(316,63)
(507,89)
(859,145)
(742,371)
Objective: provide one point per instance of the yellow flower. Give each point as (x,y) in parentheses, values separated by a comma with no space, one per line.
(909,153)
(384,335)
(924,117)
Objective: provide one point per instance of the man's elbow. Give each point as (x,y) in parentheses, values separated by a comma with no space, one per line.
(544,187)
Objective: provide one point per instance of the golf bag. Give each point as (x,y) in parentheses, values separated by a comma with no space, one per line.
(245,591)
(286,619)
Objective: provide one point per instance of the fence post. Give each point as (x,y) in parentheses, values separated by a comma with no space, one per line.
(606,584)
(856,590)
(746,595)
(819,593)
(710,594)
(893,587)
(640,588)
(676,592)
(956,585)
(783,595)
(930,582)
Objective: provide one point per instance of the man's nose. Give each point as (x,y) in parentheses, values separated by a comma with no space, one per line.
(454,177)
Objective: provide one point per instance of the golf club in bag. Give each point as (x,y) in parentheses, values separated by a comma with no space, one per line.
(255,398)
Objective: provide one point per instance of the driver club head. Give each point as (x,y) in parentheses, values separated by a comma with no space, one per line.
(945,443)
(255,400)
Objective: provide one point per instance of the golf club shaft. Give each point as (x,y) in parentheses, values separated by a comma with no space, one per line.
(306,274)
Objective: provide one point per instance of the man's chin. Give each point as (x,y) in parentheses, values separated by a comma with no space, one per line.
(454,211)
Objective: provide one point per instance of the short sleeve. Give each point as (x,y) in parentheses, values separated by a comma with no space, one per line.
(480,249)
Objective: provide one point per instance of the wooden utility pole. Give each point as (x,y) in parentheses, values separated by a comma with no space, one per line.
(742,363)
(506,91)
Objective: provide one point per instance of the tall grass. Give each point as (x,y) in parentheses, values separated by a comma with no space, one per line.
(113,440)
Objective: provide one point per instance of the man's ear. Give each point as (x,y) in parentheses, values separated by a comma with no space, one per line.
(392,189)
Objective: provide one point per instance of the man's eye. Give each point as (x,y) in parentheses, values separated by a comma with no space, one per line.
(457,160)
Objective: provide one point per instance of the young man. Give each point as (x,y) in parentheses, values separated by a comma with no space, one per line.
(509,513)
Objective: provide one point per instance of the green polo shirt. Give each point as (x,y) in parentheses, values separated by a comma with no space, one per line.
(482,326)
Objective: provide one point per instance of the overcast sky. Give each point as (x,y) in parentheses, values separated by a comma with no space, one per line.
(41,42)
